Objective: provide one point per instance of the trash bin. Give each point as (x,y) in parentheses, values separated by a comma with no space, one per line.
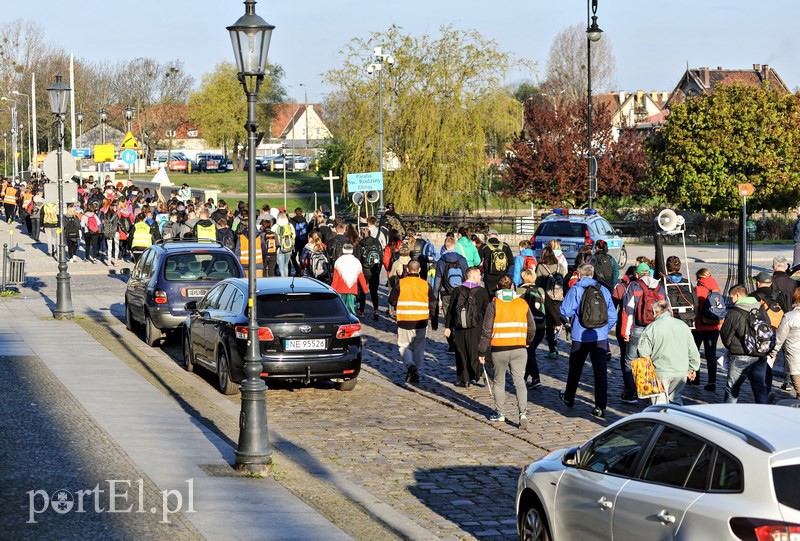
(16,271)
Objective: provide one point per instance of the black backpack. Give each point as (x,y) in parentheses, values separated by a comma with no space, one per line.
(682,301)
(535,299)
(468,316)
(759,338)
(498,261)
(593,310)
(370,254)
(603,269)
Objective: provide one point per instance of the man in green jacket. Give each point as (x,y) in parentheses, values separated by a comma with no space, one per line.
(670,345)
(465,247)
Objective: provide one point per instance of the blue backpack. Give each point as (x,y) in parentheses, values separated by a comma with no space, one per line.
(715,309)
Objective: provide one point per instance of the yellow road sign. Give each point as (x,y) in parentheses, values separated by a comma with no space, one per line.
(129,142)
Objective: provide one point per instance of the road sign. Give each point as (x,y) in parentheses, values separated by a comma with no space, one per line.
(129,142)
(746,189)
(81,153)
(364,182)
(128,156)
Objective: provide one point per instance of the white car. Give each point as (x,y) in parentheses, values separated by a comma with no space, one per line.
(710,472)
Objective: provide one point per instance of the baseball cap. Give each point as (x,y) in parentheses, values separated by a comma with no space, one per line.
(643,268)
(493,232)
(764,277)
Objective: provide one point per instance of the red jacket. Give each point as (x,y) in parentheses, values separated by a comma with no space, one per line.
(703,288)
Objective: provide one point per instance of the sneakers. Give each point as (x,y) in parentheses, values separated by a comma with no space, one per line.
(498,418)
(563,398)
(628,399)
(597,412)
(375,315)
(552,355)
(523,421)
(710,387)
(412,376)
(534,384)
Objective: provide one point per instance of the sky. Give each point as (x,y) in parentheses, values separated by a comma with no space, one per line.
(652,41)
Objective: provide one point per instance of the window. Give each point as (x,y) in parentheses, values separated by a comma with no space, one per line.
(238,302)
(727,475)
(147,266)
(672,458)
(698,479)
(615,451)
(605,228)
(786,480)
(209,302)
(300,306)
(561,229)
(225,298)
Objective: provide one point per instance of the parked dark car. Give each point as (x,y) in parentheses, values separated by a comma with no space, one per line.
(305,333)
(169,274)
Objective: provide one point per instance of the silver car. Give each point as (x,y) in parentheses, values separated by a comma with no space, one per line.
(711,472)
(574,228)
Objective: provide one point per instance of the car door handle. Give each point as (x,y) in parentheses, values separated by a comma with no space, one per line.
(605,503)
(665,517)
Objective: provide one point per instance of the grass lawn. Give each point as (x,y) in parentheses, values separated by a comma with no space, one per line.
(236,182)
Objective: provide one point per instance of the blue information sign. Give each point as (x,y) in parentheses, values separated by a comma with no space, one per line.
(128,156)
(80,153)
(364,182)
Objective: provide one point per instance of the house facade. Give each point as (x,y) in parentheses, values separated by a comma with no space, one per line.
(703,81)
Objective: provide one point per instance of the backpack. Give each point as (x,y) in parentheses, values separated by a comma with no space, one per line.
(644,308)
(50,214)
(467,314)
(774,311)
(93,223)
(395,223)
(318,266)
(759,338)
(714,310)
(603,269)
(535,299)
(593,310)
(682,301)
(498,262)
(72,228)
(453,276)
(528,262)
(370,255)
(286,236)
(554,287)
(269,242)
(124,226)
(170,231)
(225,236)
(110,226)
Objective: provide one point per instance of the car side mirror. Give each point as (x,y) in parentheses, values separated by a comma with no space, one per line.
(618,232)
(571,458)
(191,306)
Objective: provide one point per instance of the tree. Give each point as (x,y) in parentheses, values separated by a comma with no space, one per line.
(443,104)
(566,65)
(709,145)
(546,163)
(219,107)
(526,90)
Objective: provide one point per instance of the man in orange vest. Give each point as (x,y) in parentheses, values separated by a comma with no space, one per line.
(508,328)
(416,305)
(10,203)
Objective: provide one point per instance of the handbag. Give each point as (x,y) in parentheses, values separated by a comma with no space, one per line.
(647,381)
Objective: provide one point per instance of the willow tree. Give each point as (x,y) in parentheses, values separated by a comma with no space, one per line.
(444,110)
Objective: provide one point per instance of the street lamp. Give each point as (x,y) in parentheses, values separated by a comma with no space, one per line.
(14,168)
(305,113)
(128,118)
(59,95)
(593,33)
(103,118)
(250,36)
(79,115)
(5,155)
(380,59)
(28,103)
(22,148)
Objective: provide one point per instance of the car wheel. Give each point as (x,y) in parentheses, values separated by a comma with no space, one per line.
(188,359)
(129,322)
(347,385)
(151,333)
(623,258)
(533,524)
(226,386)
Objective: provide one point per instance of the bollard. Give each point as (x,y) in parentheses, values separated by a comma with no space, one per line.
(5,259)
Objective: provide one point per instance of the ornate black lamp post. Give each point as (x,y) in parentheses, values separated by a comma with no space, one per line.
(250,36)
(593,33)
(59,96)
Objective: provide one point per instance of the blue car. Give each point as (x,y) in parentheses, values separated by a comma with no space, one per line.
(575,228)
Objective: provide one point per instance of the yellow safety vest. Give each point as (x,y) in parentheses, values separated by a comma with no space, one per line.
(244,253)
(510,327)
(142,238)
(10,197)
(412,302)
(206,232)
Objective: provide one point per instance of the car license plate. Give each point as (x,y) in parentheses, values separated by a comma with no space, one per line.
(306,344)
(196,292)
(567,247)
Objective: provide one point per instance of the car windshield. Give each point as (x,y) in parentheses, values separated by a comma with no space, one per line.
(300,306)
(561,229)
(786,480)
(200,266)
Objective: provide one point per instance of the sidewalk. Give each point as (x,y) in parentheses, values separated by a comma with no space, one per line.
(157,435)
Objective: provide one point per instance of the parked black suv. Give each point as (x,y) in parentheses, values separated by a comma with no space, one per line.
(305,333)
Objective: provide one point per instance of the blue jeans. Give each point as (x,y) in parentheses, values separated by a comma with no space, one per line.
(283,262)
(674,388)
(631,353)
(744,367)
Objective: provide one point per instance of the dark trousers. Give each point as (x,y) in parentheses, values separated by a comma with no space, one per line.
(597,351)
(91,240)
(270,265)
(35,228)
(9,210)
(373,282)
(445,301)
(72,247)
(709,341)
(465,342)
(532,368)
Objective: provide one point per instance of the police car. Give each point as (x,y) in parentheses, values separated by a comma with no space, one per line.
(574,228)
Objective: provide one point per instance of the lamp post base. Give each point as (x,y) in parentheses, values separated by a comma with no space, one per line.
(64,308)
(253,454)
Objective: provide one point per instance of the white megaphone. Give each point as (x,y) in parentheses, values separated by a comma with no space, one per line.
(373,196)
(669,222)
(357,198)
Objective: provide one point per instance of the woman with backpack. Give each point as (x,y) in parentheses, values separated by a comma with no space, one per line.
(111,233)
(72,232)
(550,279)
(92,225)
(534,296)
(125,227)
(368,252)
(706,330)
(314,260)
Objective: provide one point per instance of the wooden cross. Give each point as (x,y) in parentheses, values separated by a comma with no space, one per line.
(331,178)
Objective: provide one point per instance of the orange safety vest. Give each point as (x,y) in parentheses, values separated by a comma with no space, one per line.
(510,327)
(244,253)
(26,198)
(10,197)
(412,303)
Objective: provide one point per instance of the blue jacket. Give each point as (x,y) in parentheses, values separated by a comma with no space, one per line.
(570,308)
(448,256)
(519,262)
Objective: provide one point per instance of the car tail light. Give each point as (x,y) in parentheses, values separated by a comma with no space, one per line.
(533,241)
(350,371)
(264,374)
(264,333)
(160,297)
(349,331)
(757,529)
(587,240)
